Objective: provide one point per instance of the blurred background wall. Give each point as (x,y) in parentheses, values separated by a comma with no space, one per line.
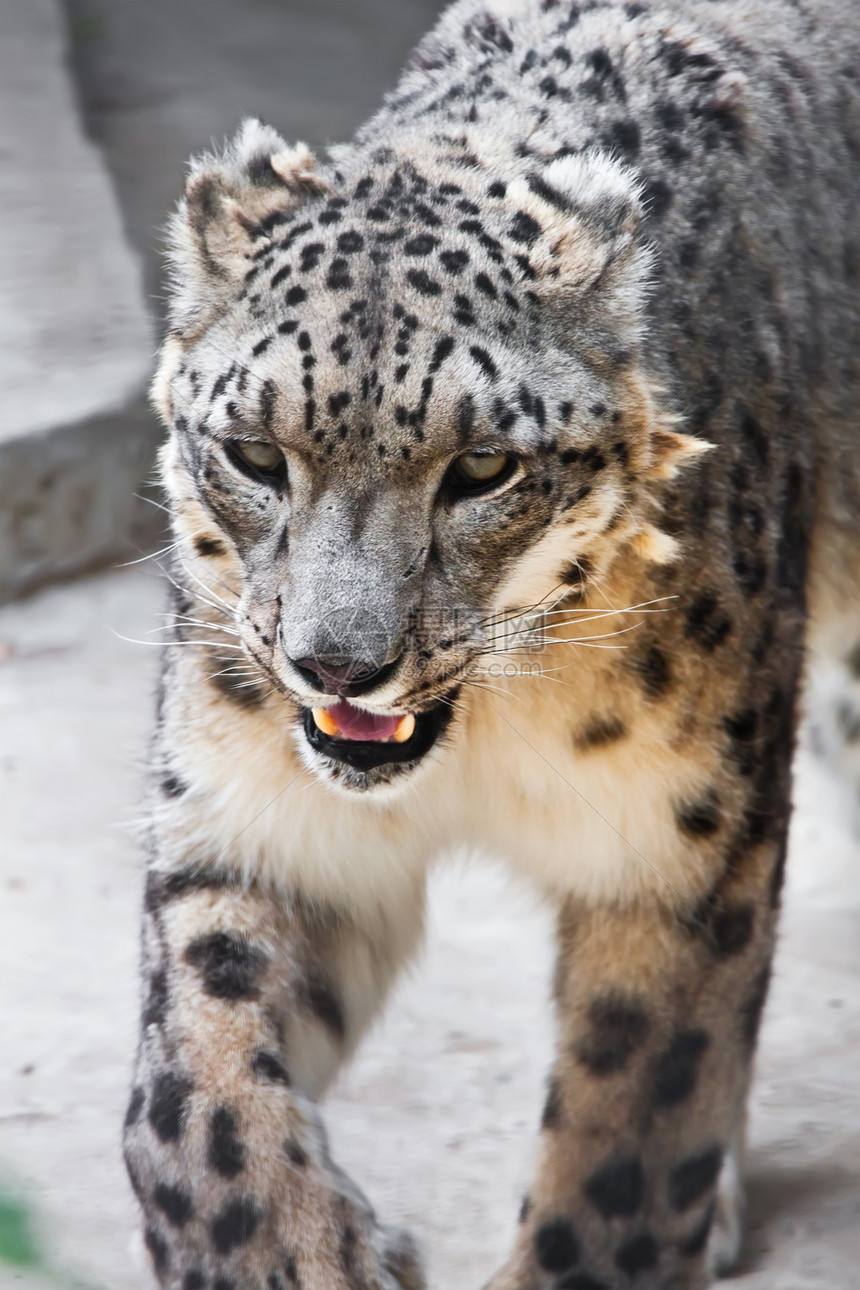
(101,103)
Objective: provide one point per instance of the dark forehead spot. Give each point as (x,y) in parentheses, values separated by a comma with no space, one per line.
(484,361)
(692,1178)
(485,285)
(557,1245)
(454,261)
(617,1188)
(423,283)
(423,244)
(677,1067)
(350,242)
(441,351)
(524,229)
(296,295)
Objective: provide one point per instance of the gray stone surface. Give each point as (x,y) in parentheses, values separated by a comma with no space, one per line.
(75,338)
(155,81)
(162,79)
(437,1116)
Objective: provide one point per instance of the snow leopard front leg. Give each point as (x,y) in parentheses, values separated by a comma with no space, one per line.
(251,1001)
(659,1004)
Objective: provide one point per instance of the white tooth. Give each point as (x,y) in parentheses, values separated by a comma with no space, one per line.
(325,722)
(405,729)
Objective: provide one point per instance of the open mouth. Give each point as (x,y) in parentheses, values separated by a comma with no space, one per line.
(367,739)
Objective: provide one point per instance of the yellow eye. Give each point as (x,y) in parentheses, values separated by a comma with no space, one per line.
(259,460)
(256,452)
(475,472)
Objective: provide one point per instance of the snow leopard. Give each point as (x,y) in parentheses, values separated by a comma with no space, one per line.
(544,388)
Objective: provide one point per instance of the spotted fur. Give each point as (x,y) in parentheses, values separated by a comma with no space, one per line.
(618,243)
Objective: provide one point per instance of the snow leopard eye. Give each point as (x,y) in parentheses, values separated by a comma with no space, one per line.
(478,472)
(258,459)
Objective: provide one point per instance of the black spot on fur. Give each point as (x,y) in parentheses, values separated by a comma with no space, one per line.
(638,1254)
(623,137)
(226,1153)
(422,282)
(155,1009)
(135,1106)
(524,229)
(654,672)
(157,1247)
(208,546)
(269,1066)
(616,1189)
(678,1067)
(700,819)
(618,1027)
(229,966)
(706,623)
(423,244)
(599,732)
(557,1245)
(295,1154)
(484,361)
(161,887)
(174,1202)
(167,1105)
(692,1178)
(319,996)
(441,351)
(732,928)
(236,1224)
(232,687)
(194,1280)
(658,196)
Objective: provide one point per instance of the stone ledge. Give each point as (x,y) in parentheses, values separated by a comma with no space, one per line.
(76,341)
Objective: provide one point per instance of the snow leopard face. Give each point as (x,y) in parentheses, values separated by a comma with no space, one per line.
(407,414)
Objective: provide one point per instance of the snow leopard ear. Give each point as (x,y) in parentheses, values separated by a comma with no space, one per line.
(233,203)
(579,220)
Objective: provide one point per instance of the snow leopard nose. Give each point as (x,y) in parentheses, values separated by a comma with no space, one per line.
(346,678)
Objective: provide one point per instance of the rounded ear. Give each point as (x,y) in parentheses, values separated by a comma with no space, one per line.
(579,219)
(233,201)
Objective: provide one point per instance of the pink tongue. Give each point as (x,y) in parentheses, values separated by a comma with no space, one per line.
(355,723)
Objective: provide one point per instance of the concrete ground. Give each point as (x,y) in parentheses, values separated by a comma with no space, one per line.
(437,1116)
